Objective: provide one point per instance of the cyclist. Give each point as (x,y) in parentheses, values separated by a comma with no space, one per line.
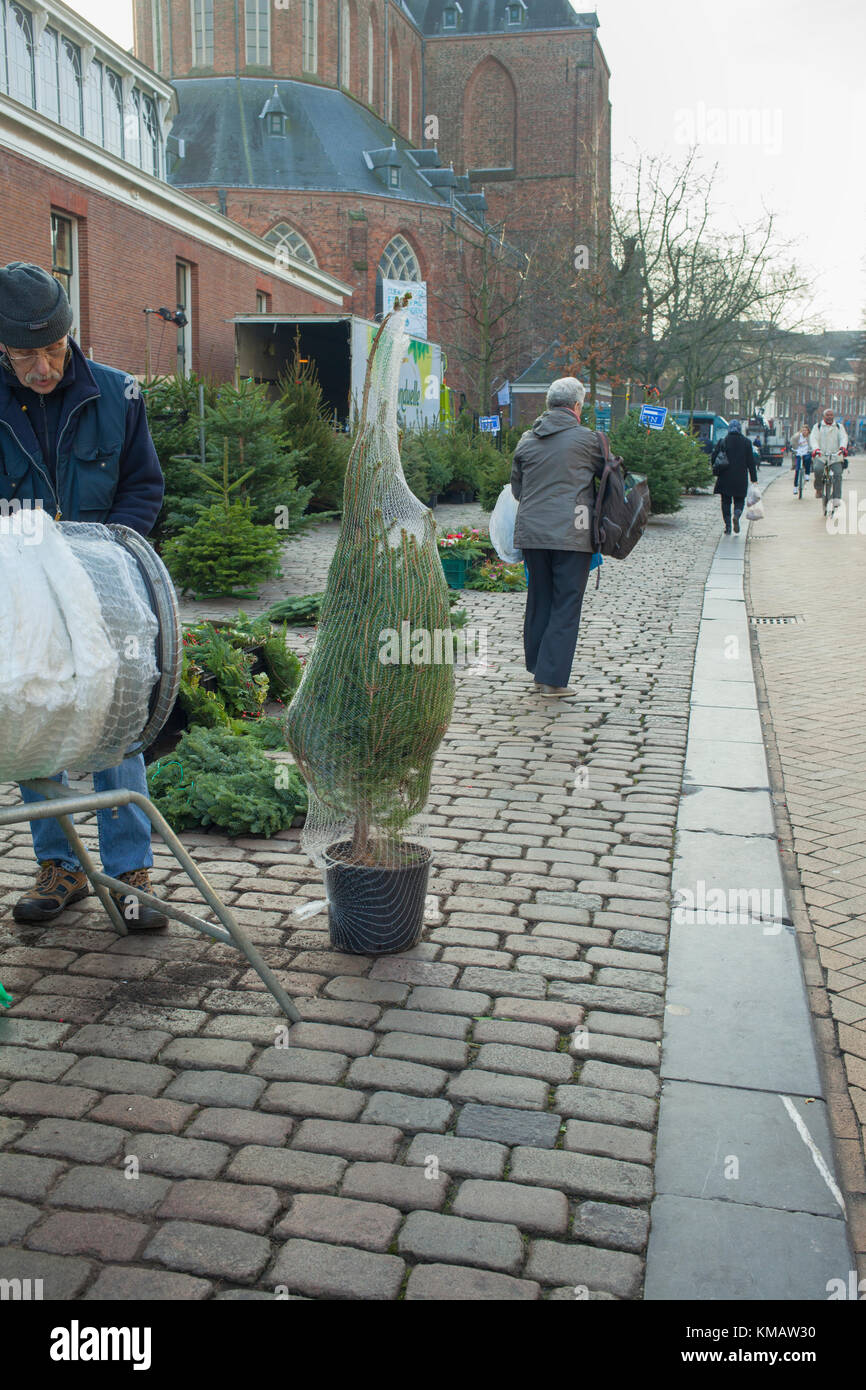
(802,458)
(829,442)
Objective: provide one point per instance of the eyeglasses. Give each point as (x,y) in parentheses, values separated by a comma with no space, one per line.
(55,352)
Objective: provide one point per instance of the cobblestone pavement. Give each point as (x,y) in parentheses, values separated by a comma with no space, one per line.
(473,1119)
(815,677)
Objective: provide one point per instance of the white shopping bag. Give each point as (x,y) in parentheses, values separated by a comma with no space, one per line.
(753,495)
(502,527)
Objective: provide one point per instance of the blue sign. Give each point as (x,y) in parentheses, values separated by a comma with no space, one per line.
(654,416)
(488,424)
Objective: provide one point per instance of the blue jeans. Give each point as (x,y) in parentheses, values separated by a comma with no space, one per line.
(124,831)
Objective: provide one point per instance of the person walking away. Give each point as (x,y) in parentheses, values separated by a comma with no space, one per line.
(59,414)
(734,452)
(828,441)
(802,457)
(553,477)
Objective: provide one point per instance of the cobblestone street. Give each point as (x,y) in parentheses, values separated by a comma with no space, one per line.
(473,1119)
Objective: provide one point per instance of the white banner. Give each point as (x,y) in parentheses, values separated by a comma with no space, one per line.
(416,312)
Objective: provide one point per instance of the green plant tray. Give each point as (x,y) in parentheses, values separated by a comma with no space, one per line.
(455,570)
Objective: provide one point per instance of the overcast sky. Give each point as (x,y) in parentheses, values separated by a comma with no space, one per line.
(773,91)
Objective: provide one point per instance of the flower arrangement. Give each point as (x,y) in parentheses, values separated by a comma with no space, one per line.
(495,577)
(469,543)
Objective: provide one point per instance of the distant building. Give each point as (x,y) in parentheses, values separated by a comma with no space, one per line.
(84,147)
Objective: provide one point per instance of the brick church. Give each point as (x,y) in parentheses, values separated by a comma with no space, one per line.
(368,137)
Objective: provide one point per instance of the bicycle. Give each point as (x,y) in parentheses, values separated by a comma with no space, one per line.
(826,492)
(802,470)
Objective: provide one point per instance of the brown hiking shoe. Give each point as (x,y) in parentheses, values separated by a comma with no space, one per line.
(55,889)
(136,914)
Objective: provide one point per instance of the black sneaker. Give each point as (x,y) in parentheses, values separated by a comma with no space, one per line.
(55,889)
(136,914)
(736,525)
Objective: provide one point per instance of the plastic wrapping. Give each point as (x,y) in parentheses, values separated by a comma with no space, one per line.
(79,637)
(502,527)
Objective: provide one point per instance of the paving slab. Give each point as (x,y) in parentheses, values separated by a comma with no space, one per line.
(735,1145)
(711,1250)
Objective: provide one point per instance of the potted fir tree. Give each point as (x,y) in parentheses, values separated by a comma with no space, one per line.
(378,690)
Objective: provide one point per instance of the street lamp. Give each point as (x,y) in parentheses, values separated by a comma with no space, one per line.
(178,317)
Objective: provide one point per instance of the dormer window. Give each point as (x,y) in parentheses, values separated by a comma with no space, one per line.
(449,15)
(274,115)
(393,177)
(514,15)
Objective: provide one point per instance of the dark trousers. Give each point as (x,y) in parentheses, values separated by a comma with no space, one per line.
(739,504)
(557,581)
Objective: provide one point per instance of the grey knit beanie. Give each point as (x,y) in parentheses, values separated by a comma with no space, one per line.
(34,309)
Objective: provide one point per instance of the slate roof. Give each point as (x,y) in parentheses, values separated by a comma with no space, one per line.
(489,17)
(226,144)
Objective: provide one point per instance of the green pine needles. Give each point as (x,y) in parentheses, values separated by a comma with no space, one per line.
(364,727)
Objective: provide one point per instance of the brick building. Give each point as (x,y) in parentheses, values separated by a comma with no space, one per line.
(373,138)
(83,133)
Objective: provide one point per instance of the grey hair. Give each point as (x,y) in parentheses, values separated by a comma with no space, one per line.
(567,391)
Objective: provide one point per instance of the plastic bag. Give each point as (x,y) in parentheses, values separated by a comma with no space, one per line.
(502,527)
(753,495)
(756,511)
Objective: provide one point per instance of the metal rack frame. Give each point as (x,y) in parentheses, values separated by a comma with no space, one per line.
(61,805)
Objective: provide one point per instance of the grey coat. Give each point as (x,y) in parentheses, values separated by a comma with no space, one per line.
(552,478)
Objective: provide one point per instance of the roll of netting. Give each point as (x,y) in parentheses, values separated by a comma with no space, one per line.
(90,632)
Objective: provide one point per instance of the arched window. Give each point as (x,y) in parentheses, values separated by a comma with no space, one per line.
(346,51)
(47,84)
(21,67)
(398,261)
(132,128)
(71,113)
(149,137)
(282,235)
(310,35)
(371,63)
(113,112)
(93,103)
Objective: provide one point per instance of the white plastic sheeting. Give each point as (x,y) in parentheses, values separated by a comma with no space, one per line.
(502,527)
(77,636)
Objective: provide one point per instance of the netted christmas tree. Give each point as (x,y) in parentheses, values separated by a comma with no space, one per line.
(378,689)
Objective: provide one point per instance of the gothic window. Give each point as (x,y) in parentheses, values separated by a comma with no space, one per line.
(47,84)
(71,113)
(113,112)
(93,103)
(296,245)
(149,137)
(398,261)
(21,67)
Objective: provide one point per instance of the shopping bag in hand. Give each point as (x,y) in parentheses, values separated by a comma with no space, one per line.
(502,527)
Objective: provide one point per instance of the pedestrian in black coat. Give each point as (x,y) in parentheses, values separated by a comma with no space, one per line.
(732,483)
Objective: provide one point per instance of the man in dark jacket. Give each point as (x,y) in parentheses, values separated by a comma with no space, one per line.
(553,478)
(737,460)
(74,440)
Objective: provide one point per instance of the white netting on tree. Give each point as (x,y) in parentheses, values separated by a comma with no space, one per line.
(378,689)
(78,640)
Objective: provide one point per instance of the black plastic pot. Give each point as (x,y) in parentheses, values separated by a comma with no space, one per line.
(375,910)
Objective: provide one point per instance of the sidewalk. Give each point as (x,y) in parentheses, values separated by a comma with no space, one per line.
(814,673)
(475,1120)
